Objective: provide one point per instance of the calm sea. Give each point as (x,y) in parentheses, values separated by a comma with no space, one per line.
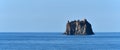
(58,41)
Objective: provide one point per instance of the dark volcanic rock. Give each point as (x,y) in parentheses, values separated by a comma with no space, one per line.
(82,27)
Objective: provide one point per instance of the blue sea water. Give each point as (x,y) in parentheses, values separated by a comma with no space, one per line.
(58,41)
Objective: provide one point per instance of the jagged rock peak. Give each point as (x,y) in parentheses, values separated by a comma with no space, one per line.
(79,27)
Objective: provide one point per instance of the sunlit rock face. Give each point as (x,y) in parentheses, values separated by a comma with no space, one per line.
(79,27)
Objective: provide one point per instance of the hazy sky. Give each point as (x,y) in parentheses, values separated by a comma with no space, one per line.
(52,15)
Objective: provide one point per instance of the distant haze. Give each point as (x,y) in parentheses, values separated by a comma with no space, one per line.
(52,15)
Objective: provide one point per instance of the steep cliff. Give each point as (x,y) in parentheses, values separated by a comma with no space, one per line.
(80,27)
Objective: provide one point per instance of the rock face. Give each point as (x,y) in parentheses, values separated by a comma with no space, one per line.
(80,27)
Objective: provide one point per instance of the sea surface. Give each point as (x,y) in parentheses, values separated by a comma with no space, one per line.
(58,41)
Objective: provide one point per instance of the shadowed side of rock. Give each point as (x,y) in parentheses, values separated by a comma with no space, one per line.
(82,27)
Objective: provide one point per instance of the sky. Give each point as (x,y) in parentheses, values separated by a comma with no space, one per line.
(52,15)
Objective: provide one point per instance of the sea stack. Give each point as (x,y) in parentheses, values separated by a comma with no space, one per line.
(79,27)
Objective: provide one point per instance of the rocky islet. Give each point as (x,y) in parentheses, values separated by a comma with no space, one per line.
(79,27)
